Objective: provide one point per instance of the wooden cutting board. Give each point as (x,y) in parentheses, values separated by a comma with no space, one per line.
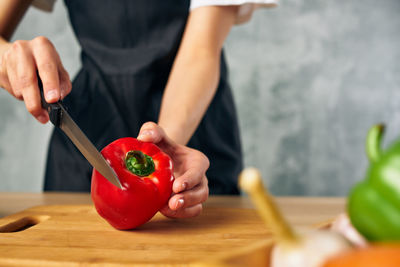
(72,235)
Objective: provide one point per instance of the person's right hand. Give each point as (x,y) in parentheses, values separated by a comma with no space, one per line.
(18,67)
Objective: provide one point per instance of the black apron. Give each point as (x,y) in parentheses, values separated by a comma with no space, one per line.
(128,48)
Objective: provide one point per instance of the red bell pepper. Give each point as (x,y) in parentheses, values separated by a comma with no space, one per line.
(146,176)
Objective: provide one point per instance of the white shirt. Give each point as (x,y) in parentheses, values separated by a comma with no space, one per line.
(246,8)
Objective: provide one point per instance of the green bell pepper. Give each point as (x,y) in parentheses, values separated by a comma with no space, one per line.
(374,203)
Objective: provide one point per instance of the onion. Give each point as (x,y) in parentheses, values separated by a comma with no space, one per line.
(310,249)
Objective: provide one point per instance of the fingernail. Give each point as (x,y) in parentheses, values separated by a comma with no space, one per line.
(184,186)
(179,203)
(51,95)
(144,133)
(62,92)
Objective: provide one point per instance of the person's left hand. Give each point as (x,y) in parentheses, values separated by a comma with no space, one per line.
(190,188)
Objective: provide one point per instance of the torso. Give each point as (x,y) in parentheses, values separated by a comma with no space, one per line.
(128,48)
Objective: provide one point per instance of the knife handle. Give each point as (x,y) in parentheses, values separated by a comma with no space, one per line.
(54,109)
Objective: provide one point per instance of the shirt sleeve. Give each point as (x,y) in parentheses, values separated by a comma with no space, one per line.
(246,8)
(45,5)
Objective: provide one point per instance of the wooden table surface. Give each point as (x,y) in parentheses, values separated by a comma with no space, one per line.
(300,211)
(76,235)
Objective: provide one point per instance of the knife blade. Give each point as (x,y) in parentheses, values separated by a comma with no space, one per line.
(61,119)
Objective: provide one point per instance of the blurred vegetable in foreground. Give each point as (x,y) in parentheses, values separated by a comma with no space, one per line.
(379,255)
(374,203)
(291,249)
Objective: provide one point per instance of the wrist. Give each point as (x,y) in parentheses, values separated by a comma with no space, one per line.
(178,136)
(4,46)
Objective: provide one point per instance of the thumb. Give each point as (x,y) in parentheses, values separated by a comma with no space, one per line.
(152,132)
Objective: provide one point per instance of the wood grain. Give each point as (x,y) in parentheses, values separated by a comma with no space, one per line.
(74,235)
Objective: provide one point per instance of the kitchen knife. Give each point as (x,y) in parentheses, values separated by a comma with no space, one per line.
(61,119)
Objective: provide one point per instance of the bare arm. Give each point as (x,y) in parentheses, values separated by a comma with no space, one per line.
(11,13)
(191,86)
(195,74)
(20,61)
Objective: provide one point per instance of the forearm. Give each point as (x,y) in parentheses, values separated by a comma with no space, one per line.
(11,13)
(190,89)
(195,74)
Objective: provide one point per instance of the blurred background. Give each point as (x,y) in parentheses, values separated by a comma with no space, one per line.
(309,79)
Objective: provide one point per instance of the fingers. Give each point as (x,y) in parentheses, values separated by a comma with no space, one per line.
(188,203)
(190,187)
(151,132)
(17,59)
(46,62)
(190,197)
(65,82)
(18,74)
(185,213)
(191,178)
(22,77)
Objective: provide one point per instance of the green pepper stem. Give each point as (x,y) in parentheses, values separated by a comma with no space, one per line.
(373,144)
(139,163)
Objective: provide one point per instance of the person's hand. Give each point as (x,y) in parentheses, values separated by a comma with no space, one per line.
(18,74)
(190,188)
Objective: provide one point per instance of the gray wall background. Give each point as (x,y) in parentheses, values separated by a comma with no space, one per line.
(309,79)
